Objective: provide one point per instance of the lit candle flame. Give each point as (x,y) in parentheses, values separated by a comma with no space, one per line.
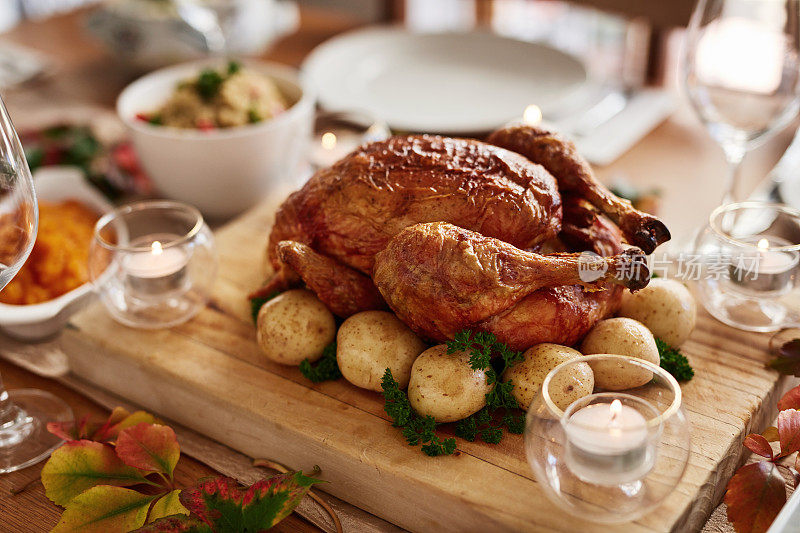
(616,409)
(156,248)
(328,140)
(763,245)
(532,115)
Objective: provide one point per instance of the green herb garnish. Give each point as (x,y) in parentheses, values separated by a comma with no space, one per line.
(208,84)
(256,303)
(155,120)
(674,362)
(482,347)
(416,429)
(254,116)
(325,368)
(233,67)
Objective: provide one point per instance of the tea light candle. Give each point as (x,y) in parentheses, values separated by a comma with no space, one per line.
(607,444)
(157,271)
(764,270)
(332,146)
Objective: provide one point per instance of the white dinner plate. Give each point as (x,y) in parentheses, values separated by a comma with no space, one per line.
(447,83)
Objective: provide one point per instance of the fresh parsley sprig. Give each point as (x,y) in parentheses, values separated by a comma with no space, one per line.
(416,429)
(326,368)
(674,362)
(481,347)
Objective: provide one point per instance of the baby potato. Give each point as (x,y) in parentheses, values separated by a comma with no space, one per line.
(294,326)
(370,342)
(666,307)
(620,336)
(445,386)
(566,387)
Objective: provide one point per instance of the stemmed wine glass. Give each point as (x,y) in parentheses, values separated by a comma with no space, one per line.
(24,413)
(741,70)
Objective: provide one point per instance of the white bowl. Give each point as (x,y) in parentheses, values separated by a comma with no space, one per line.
(224,171)
(40,321)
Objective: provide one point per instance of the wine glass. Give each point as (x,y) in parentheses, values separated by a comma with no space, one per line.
(741,69)
(24,413)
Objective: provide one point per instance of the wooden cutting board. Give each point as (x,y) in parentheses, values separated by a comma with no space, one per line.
(208,375)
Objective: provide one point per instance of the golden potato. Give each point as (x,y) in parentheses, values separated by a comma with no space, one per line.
(294,326)
(575,382)
(444,386)
(370,342)
(620,336)
(666,307)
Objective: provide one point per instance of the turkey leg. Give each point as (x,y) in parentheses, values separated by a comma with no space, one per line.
(575,176)
(437,276)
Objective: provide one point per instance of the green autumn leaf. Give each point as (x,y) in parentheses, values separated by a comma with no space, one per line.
(755,496)
(150,447)
(176,524)
(269,501)
(105,509)
(167,505)
(224,506)
(80,465)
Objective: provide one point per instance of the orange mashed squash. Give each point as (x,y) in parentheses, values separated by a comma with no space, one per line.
(60,256)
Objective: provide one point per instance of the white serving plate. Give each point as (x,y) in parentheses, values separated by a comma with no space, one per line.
(40,321)
(446,82)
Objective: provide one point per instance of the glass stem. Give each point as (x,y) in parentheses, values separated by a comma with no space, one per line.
(734,154)
(8,413)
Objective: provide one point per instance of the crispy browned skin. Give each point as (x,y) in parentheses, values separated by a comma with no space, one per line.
(350,211)
(439,278)
(344,290)
(575,177)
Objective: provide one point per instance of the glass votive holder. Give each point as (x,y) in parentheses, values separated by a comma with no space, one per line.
(337,133)
(153,263)
(615,454)
(748,256)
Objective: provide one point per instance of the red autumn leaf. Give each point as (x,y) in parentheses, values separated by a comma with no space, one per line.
(790,400)
(151,447)
(73,430)
(755,496)
(789,431)
(759,445)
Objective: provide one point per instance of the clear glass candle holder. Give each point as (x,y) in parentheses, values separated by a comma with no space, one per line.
(747,265)
(612,455)
(153,263)
(337,133)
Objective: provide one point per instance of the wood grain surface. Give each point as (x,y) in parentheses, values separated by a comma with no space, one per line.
(212,365)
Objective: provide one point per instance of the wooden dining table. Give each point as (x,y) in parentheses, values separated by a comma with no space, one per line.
(678,158)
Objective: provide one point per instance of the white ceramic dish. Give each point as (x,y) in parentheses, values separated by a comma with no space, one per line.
(40,321)
(225,171)
(149,35)
(447,83)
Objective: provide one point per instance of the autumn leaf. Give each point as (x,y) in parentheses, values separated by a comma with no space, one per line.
(755,496)
(167,505)
(112,429)
(789,431)
(176,524)
(224,506)
(105,509)
(788,358)
(150,447)
(81,429)
(790,400)
(80,465)
(759,445)
(269,501)
(771,434)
